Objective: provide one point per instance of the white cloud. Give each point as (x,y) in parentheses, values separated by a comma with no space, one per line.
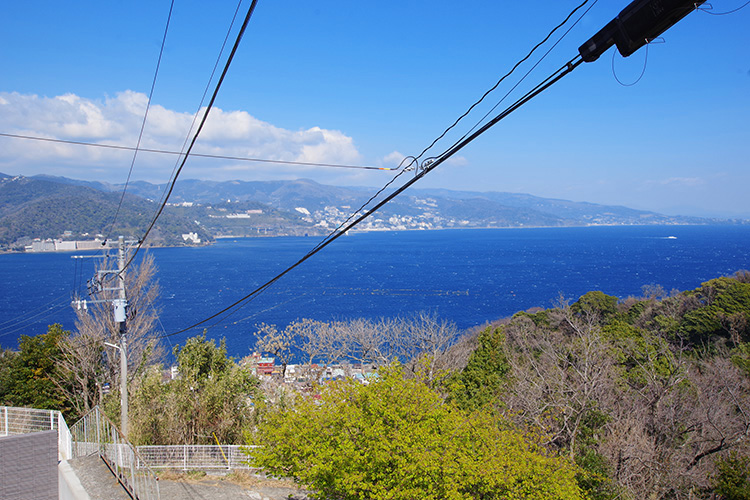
(457,161)
(683,181)
(676,182)
(117,120)
(393,160)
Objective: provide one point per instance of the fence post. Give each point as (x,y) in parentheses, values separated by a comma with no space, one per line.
(184,457)
(98,435)
(6,420)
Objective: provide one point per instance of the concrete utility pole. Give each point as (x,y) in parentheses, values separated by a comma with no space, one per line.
(120,306)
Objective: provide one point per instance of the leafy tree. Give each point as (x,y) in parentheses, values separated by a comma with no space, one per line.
(7,364)
(741,358)
(725,312)
(732,479)
(479,384)
(395,438)
(27,378)
(212,395)
(595,302)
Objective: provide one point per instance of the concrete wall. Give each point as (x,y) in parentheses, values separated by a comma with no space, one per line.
(28,466)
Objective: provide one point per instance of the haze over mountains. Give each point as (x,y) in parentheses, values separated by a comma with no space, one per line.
(57,207)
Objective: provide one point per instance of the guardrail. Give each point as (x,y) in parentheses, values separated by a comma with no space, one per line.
(16,420)
(95,433)
(195,457)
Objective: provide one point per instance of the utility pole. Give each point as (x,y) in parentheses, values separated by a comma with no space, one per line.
(120,306)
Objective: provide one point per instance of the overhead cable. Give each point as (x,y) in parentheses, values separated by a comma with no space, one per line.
(548,82)
(506,75)
(143,123)
(197,155)
(412,162)
(205,93)
(197,132)
(529,71)
(709,11)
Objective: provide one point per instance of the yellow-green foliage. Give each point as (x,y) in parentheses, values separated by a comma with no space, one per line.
(211,397)
(395,438)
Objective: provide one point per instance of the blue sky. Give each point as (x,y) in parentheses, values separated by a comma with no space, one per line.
(370,82)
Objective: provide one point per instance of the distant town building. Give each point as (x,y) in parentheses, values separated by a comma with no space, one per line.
(50,245)
(259,365)
(265,366)
(191,237)
(64,246)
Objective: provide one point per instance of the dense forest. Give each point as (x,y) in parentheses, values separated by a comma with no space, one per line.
(601,398)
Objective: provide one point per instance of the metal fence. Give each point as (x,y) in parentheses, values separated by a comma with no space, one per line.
(134,467)
(196,457)
(95,433)
(14,420)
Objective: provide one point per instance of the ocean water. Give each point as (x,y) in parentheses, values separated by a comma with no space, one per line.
(467,276)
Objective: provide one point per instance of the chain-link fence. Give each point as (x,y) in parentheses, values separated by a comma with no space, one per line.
(95,433)
(15,420)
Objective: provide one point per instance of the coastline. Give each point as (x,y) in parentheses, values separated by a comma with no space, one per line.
(91,245)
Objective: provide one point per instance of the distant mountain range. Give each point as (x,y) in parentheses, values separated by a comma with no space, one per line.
(43,207)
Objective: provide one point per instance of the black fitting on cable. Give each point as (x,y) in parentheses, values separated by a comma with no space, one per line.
(636,25)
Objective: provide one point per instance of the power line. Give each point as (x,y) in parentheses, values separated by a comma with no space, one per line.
(533,67)
(143,124)
(197,132)
(548,82)
(643,70)
(198,155)
(708,11)
(205,92)
(24,320)
(56,304)
(348,223)
(506,75)
(414,161)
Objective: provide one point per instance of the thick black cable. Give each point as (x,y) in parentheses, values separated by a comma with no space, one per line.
(506,75)
(143,123)
(548,82)
(198,155)
(533,67)
(205,92)
(403,168)
(197,132)
(415,160)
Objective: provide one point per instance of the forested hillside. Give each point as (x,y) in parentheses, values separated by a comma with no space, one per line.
(54,207)
(31,208)
(601,398)
(649,396)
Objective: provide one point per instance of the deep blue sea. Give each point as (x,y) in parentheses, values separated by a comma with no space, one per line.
(467,276)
